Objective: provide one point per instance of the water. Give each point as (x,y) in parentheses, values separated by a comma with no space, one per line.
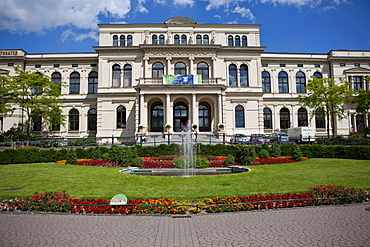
(188,151)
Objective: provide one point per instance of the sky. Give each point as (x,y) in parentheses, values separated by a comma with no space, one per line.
(289,26)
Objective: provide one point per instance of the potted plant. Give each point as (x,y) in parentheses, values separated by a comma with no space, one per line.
(168,128)
(195,127)
(221,127)
(141,128)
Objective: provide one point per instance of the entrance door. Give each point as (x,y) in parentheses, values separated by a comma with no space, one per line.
(180,117)
(360,123)
(204,116)
(157,117)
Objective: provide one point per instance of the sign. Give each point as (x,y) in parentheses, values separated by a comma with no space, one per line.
(118,199)
(182,79)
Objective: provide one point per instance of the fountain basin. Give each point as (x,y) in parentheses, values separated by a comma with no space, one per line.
(173,172)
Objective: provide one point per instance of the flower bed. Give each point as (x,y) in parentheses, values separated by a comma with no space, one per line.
(62,202)
(91,162)
(271,161)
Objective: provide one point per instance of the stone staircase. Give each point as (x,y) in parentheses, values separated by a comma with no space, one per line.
(154,139)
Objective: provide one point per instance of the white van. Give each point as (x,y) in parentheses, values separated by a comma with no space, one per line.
(302,134)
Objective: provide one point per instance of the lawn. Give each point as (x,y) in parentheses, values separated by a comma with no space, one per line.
(103,182)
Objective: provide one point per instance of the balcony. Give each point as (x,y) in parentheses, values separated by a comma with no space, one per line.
(159,81)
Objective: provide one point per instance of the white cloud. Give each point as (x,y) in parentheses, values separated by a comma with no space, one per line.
(184,2)
(244,12)
(69,34)
(141,7)
(217,16)
(25,16)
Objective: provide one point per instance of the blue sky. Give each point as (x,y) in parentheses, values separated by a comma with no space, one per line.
(303,26)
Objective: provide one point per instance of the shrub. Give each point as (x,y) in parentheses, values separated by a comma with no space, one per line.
(275,150)
(229,161)
(137,162)
(245,154)
(71,156)
(263,154)
(201,162)
(122,155)
(296,152)
(96,154)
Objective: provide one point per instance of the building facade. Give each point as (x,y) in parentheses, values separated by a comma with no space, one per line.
(180,71)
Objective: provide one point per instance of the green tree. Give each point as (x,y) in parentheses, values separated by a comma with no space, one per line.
(37,96)
(326,96)
(7,95)
(362,100)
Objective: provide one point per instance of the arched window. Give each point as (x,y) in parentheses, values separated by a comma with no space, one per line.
(56,78)
(91,119)
(74,83)
(204,116)
(180,69)
(177,39)
(36,121)
(244,41)
(115,40)
(267,118)
(320,119)
(180,116)
(55,122)
(300,82)
(266,82)
(157,119)
(237,40)
(183,39)
(203,70)
(283,82)
(121,117)
(244,75)
(154,39)
(318,75)
(93,82)
(302,117)
(230,40)
(284,118)
(199,39)
(161,39)
(74,120)
(116,75)
(129,40)
(206,39)
(127,75)
(239,116)
(232,75)
(37,90)
(157,72)
(122,40)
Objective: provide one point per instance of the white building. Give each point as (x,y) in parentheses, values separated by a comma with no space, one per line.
(126,83)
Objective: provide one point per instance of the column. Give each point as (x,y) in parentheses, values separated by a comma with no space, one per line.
(146,66)
(142,111)
(191,69)
(275,119)
(168,65)
(213,75)
(168,113)
(293,117)
(219,110)
(194,109)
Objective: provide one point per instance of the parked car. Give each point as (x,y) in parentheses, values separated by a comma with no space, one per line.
(259,139)
(279,137)
(240,138)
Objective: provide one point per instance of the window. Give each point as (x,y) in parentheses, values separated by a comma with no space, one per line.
(265,65)
(300,65)
(199,39)
(283,82)
(357,82)
(230,40)
(157,120)
(161,39)
(183,39)
(157,71)
(74,83)
(317,66)
(357,65)
(116,75)
(115,40)
(282,65)
(75,65)
(204,116)
(320,119)
(284,118)
(342,64)
(37,90)
(300,82)
(56,78)
(121,117)
(244,41)
(55,122)
(93,82)
(177,39)
(267,118)
(180,116)
(91,119)
(36,122)
(10,64)
(239,116)
(237,40)
(203,70)
(127,75)
(266,82)
(302,117)
(206,39)
(93,65)
(180,69)
(74,121)
(37,65)
(154,39)
(244,75)
(122,40)
(56,65)
(232,75)
(129,40)
(318,75)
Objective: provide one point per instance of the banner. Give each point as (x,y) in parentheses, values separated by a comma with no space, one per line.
(182,79)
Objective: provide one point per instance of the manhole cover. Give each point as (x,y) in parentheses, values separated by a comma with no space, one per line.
(12,189)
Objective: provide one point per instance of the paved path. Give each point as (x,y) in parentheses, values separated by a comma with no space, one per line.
(313,226)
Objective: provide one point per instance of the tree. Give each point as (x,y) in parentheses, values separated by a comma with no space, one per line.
(326,96)
(362,100)
(7,94)
(37,97)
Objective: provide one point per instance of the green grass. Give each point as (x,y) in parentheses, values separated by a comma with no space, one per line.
(102,182)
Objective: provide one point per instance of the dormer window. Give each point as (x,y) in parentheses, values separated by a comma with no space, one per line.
(206,39)
(177,39)
(154,40)
(183,39)
(161,39)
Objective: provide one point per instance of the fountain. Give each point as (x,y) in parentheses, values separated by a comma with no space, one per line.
(188,151)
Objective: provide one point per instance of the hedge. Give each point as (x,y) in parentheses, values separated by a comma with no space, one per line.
(34,155)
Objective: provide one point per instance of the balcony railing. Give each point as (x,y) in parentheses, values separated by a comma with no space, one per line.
(159,81)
